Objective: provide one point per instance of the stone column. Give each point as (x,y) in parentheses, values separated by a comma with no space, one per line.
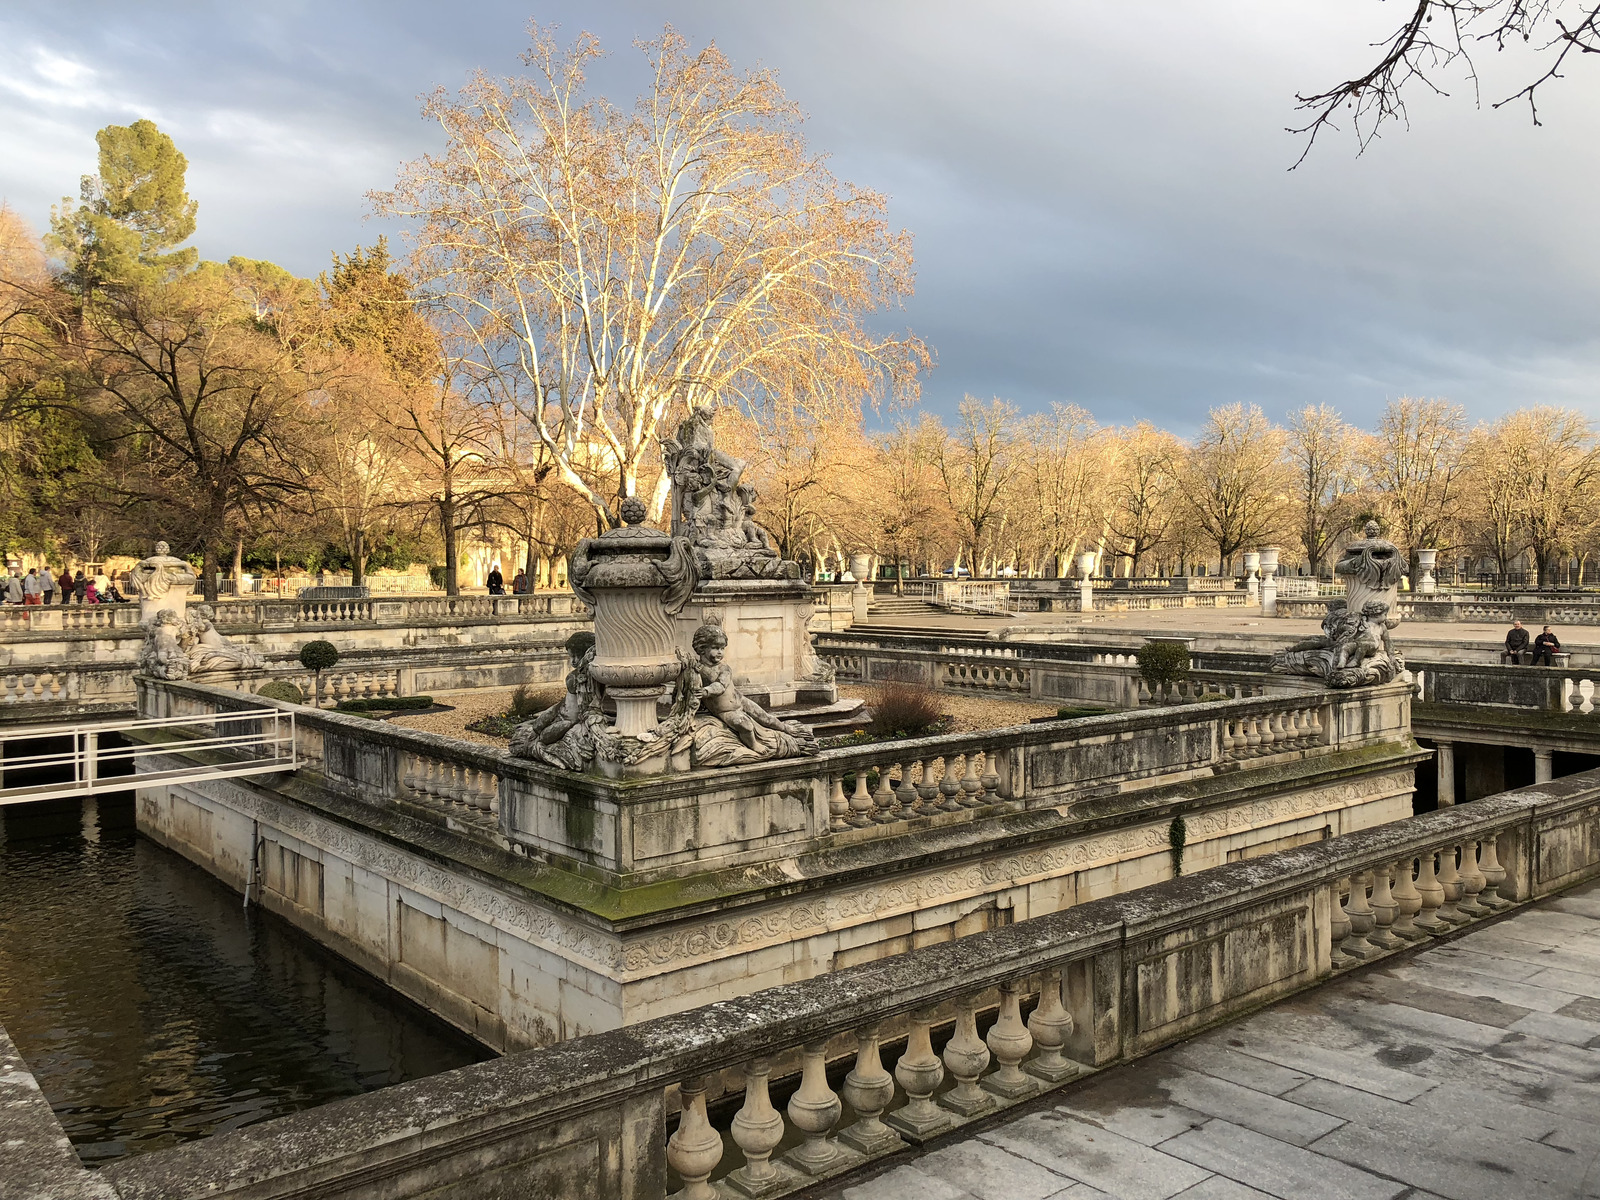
(860,601)
(1269,582)
(1446,755)
(1086,582)
(1543,770)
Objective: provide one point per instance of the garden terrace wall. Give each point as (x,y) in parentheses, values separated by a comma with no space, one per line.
(589,1119)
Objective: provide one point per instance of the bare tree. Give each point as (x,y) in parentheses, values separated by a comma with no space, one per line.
(1234,480)
(1144,496)
(1556,465)
(1324,451)
(976,465)
(1416,464)
(1437,35)
(624,267)
(1062,485)
(912,521)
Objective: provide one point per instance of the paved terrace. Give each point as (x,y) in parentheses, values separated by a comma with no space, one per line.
(1469,1069)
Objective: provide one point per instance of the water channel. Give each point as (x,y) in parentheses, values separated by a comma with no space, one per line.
(153,1010)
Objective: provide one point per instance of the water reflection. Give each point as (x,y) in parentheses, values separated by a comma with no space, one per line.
(153,1011)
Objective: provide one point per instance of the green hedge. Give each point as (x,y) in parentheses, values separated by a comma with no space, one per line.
(281,689)
(384,704)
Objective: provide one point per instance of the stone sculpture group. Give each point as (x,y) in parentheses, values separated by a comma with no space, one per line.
(637,579)
(179,644)
(1353,648)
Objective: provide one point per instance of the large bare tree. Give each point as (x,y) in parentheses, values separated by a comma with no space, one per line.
(977,464)
(1416,463)
(1325,454)
(624,266)
(1234,480)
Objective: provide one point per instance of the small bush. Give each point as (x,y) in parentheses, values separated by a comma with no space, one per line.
(903,710)
(318,656)
(385,704)
(1082,710)
(282,689)
(1163,664)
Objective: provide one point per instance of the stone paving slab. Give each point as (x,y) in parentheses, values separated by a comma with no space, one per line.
(1470,1070)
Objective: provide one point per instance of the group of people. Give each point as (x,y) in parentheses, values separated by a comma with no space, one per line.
(1545,647)
(40,586)
(496,582)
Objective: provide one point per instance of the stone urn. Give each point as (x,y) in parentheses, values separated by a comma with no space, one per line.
(1252,564)
(1086,581)
(162,583)
(1269,581)
(635,578)
(1426,561)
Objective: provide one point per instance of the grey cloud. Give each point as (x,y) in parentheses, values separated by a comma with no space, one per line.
(1101,204)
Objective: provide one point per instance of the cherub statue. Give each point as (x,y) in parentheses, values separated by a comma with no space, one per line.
(719,697)
(162,656)
(560,734)
(209,650)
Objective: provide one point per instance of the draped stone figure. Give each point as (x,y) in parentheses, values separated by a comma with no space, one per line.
(1354,648)
(162,582)
(209,650)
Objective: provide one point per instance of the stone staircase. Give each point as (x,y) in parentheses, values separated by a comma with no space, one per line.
(900,607)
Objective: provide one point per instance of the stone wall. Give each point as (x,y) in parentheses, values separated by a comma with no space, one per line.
(1122,976)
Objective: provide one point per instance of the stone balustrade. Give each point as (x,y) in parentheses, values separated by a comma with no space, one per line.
(934,1038)
(684,824)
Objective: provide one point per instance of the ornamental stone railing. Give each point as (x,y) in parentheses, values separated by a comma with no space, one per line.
(634,832)
(937,1037)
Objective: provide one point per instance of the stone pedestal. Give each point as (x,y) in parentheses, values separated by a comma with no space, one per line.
(1252,564)
(1426,559)
(769,646)
(1269,582)
(860,602)
(1086,582)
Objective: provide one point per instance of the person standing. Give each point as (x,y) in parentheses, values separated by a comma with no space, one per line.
(1516,643)
(65,583)
(13,587)
(496,581)
(82,586)
(1545,647)
(32,589)
(48,582)
(519,583)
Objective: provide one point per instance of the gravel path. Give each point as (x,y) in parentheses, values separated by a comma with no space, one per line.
(469,707)
(973,713)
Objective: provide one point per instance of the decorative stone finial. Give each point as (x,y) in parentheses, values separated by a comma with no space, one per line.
(633,511)
(1372,529)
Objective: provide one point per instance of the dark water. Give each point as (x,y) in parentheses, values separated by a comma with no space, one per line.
(154,1011)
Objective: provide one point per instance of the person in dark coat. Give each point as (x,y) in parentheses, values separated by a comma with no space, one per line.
(66,583)
(1545,647)
(496,581)
(1516,642)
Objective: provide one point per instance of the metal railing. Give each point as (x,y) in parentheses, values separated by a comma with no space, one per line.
(254,742)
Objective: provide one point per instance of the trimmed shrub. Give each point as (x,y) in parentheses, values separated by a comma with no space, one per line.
(281,689)
(384,704)
(318,656)
(1163,664)
(903,710)
(1082,710)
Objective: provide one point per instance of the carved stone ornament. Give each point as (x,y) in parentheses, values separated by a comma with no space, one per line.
(1354,648)
(715,511)
(179,644)
(161,582)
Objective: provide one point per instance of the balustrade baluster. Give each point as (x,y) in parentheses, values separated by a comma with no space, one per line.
(1408,902)
(1362,921)
(885,806)
(1384,909)
(965,1057)
(1494,875)
(1269,736)
(910,801)
(1051,1025)
(1472,881)
(1450,880)
(869,1088)
(1316,726)
(928,787)
(919,1072)
(1338,926)
(695,1149)
(757,1129)
(950,785)
(1432,893)
(1009,1042)
(991,775)
(813,1110)
(861,801)
(1252,736)
(838,806)
(970,783)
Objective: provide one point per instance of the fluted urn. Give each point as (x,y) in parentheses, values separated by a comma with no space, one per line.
(635,578)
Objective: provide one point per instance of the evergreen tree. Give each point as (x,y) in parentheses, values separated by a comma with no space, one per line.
(133,213)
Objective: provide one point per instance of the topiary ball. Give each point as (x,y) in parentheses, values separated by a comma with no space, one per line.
(318,656)
(281,689)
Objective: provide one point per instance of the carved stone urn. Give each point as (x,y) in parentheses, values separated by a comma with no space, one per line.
(635,578)
(162,584)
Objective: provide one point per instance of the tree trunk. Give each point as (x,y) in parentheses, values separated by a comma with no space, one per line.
(447,527)
(238,565)
(358,559)
(208,569)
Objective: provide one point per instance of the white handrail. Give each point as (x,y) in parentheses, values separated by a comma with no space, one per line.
(267,749)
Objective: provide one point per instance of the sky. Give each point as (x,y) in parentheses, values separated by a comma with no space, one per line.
(1099,192)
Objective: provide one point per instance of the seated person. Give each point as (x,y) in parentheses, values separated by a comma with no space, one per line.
(1516,643)
(1545,647)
